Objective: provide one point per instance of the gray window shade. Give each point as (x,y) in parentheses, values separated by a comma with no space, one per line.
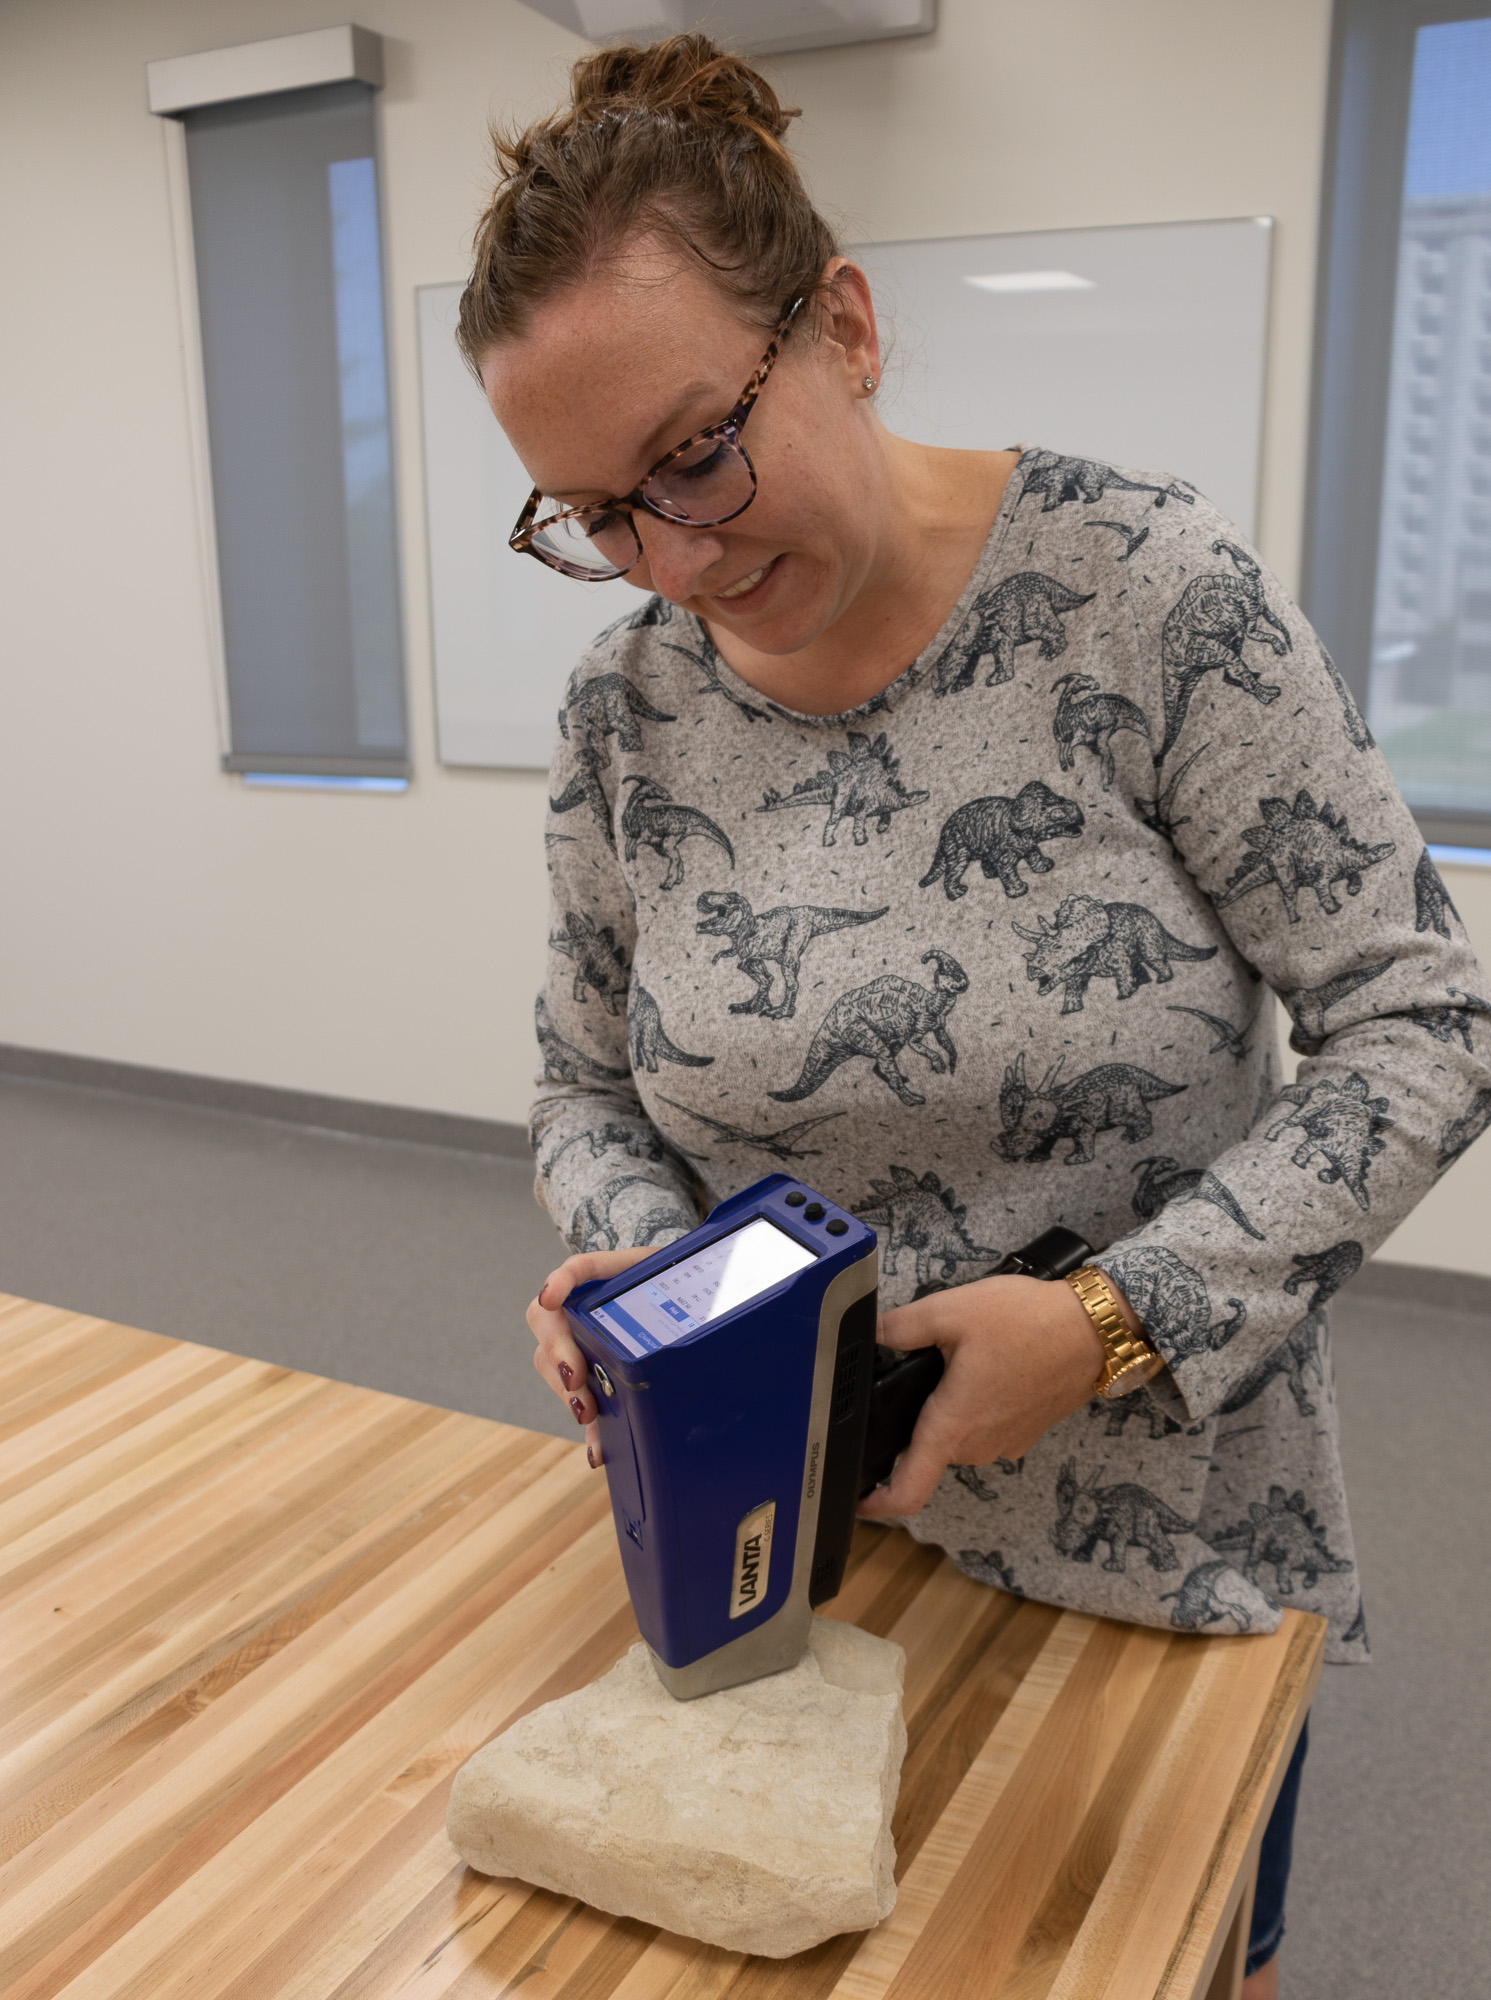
(285,224)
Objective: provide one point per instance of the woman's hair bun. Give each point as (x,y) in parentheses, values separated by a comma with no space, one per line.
(687,77)
(680,139)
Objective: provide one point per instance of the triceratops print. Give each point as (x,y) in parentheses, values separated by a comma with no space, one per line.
(1341,1121)
(1024,610)
(1087,718)
(1453,1022)
(1058,478)
(1285,1536)
(923,1216)
(591,1226)
(1214,617)
(638,1142)
(859,784)
(1171,1300)
(1302,846)
(999,834)
(600,963)
(774,937)
(1113,1096)
(651,819)
(1125,1517)
(1090,940)
(880,1019)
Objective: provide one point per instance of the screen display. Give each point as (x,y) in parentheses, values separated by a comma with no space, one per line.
(716,1279)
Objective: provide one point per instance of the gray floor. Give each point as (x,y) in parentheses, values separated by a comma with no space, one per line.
(408,1267)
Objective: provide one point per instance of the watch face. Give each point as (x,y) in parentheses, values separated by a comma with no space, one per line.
(1139,1371)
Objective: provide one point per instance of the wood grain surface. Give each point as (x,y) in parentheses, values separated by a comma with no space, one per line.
(251,1622)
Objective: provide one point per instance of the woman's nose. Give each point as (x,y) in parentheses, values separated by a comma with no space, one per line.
(677,558)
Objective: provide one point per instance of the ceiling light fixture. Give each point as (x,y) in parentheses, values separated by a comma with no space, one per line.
(1032,281)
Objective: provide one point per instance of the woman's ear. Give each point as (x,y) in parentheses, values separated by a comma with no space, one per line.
(846,320)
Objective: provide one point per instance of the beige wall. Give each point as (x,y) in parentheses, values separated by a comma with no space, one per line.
(156,911)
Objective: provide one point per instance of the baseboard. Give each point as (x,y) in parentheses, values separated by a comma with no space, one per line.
(492,1136)
(1419,1285)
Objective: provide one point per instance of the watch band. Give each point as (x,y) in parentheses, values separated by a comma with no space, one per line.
(1125,1351)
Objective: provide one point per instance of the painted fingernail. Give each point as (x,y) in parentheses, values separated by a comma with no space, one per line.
(579,1409)
(566,1375)
(592,1458)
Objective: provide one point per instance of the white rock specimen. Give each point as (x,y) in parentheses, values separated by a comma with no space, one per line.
(757,1818)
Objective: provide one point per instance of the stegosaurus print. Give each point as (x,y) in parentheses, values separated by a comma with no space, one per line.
(1215,616)
(650,818)
(1000,833)
(600,963)
(926,1218)
(880,1019)
(1342,1121)
(1024,610)
(859,784)
(1302,846)
(758,941)
(1057,477)
(1286,1536)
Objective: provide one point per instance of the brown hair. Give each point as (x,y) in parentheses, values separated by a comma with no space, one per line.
(681,140)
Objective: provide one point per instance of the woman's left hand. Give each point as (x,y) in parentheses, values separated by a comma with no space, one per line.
(1021,1354)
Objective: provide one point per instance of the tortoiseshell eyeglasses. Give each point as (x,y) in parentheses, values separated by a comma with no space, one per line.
(702,482)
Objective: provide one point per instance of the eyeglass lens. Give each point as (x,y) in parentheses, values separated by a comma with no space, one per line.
(709,482)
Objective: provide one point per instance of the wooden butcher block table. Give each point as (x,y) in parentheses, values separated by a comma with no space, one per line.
(251,1622)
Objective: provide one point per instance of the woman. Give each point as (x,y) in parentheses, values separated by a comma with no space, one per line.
(942,831)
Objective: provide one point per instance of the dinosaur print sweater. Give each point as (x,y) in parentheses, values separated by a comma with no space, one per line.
(993,951)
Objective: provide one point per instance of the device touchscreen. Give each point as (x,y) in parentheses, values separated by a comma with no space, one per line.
(687,1295)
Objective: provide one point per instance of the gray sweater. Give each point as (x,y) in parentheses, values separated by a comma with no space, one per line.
(993,952)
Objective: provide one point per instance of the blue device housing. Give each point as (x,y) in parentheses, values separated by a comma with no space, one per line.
(766,1404)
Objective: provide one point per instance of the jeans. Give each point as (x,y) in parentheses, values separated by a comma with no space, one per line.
(1266,1931)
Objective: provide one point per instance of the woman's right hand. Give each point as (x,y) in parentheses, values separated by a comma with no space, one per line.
(557,1357)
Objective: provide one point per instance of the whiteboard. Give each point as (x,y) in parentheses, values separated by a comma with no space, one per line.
(1154,357)
(506,630)
(1142,345)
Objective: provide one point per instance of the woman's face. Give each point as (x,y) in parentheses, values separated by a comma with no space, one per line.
(618,369)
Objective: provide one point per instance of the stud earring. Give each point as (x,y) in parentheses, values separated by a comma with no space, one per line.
(869,381)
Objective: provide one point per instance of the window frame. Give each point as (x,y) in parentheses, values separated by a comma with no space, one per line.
(1366,138)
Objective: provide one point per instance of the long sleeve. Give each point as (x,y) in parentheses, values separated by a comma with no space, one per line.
(1280,806)
(604,1172)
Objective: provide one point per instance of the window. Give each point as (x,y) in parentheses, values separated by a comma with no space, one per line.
(285,243)
(1399,556)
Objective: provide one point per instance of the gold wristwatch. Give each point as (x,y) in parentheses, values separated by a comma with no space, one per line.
(1131,1360)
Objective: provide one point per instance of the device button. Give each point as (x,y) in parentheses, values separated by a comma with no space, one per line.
(813,1212)
(837,1226)
(796,1199)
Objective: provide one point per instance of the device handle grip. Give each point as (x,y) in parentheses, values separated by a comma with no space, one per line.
(904,1378)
